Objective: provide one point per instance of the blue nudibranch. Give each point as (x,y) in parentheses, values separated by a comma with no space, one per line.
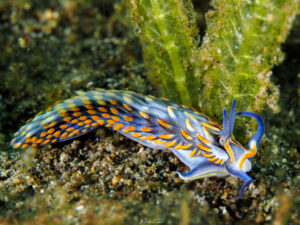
(200,143)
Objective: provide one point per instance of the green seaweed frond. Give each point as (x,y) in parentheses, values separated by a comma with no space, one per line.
(240,47)
(169,37)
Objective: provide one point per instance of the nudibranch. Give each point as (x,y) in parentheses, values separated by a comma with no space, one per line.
(207,148)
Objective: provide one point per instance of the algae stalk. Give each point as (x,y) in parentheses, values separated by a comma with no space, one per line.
(242,44)
(169,36)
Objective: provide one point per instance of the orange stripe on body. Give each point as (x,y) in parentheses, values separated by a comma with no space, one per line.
(92,112)
(160,142)
(207,155)
(127,107)
(193,152)
(166,136)
(202,139)
(212,159)
(185,135)
(86,102)
(101,122)
(57,134)
(83,118)
(170,144)
(216,124)
(49,136)
(128,129)
(100,102)
(145,115)
(189,126)
(185,146)
(206,132)
(95,117)
(237,143)
(115,118)
(136,134)
(128,118)
(146,129)
(46,142)
(111,121)
(218,161)
(34,139)
(143,138)
(206,149)
(177,146)
(150,137)
(229,151)
(249,154)
(43,134)
(105,115)
(114,111)
(52,124)
(88,121)
(67,119)
(118,126)
(89,106)
(74,121)
(64,135)
(163,123)
(113,102)
(39,141)
(102,109)
(70,129)
(80,124)
(76,114)
(210,126)
(25,145)
(17,145)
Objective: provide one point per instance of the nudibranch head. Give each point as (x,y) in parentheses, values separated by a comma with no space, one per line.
(238,163)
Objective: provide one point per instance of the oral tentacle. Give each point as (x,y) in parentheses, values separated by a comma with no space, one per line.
(228,123)
(256,138)
(231,117)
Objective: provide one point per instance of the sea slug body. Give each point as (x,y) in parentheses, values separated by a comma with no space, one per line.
(200,143)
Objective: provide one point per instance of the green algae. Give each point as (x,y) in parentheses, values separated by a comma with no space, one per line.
(105,178)
(168,33)
(242,44)
(240,47)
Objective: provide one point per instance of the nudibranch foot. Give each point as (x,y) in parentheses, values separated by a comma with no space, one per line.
(236,172)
